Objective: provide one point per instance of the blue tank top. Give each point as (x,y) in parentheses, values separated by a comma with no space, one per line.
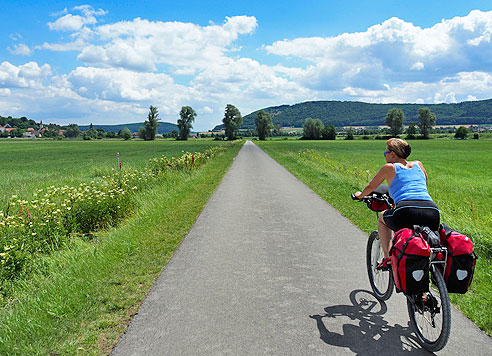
(409,184)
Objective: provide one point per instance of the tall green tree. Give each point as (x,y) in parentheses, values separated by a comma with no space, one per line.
(232,121)
(329,132)
(427,119)
(461,133)
(277,130)
(394,119)
(350,134)
(187,117)
(264,124)
(411,131)
(72,130)
(91,133)
(312,129)
(126,134)
(101,133)
(16,133)
(141,132)
(150,125)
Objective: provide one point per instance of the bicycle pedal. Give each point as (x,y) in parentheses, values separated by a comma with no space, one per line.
(385,265)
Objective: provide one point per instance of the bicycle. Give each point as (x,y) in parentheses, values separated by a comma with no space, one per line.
(429,312)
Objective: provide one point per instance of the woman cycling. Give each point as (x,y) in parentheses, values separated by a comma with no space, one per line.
(407,181)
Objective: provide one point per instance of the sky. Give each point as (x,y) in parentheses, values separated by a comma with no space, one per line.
(106,62)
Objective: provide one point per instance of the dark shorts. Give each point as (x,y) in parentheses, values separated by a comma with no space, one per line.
(413,212)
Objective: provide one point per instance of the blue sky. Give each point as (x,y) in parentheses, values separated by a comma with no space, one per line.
(106,62)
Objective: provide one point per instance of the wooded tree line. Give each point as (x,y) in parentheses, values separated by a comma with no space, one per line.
(20,123)
(347,113)
(315,130)
(147,132)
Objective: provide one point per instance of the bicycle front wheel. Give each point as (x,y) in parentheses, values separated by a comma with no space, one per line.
(381,281)
(430,314)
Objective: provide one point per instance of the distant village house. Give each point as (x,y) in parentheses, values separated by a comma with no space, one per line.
(6,128)
(32,133)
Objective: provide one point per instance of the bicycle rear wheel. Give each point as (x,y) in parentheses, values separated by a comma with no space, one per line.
(381,281)
(430,314)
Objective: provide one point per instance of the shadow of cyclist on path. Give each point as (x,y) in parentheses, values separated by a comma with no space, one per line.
(372,335)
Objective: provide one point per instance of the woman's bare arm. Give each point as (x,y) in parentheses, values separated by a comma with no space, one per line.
(383,174)
(423,169)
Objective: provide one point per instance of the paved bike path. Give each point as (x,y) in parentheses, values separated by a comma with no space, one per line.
(269,268)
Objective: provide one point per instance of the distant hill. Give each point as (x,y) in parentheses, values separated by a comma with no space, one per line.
(164,127)
(355,113)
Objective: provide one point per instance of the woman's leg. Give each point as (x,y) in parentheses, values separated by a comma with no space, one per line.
(385,235)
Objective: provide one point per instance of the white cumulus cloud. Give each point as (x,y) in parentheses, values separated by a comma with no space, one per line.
(417,66)
(393,51)
(121,85)
(451,89)
(70,22)
(23,76)
(21,49)
(142,45)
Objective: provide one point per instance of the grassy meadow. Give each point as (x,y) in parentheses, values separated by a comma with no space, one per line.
(78,300)
(28,165)
(459,182)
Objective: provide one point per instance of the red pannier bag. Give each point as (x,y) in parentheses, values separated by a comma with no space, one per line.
(460,264)
(410,257)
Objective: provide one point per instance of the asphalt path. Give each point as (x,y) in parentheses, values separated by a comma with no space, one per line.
(269,268)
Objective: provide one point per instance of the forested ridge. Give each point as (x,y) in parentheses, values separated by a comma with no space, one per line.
(164,127)
(25,123)
(355,113)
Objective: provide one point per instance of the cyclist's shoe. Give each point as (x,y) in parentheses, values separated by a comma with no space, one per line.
(432,303)
(385,265)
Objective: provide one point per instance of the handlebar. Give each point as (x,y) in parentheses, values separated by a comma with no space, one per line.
(378,200)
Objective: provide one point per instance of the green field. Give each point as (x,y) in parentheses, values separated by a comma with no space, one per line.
(78,300)
(459,181)
(30,165)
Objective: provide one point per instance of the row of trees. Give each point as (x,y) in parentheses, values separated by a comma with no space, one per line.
(232,121)
(315,130)
(395,118)
(185,124)
(147,132)
(73,131)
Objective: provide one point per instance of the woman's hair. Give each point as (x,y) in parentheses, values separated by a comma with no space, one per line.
(399,147)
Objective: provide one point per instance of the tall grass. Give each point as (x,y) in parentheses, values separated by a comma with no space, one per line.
(56,216)
(29,165)
(459,182)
